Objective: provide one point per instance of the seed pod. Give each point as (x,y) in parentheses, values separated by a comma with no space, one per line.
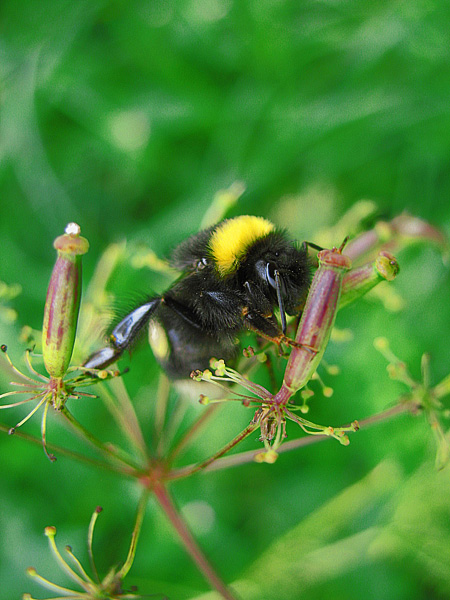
(395,235)
(63,301)
(316,323)
(361,280)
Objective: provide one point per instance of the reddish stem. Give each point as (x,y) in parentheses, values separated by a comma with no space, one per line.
(189,541)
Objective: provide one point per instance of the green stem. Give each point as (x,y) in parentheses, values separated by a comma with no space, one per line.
(134,536)
(127,465)
(162,401)
(193,430)
(189,542)
(243,458)
(190,470)
(122,410)
(70,453)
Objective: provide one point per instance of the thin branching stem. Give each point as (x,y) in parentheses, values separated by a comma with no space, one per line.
(190,543)
(193,431)
(72,454)
(190,470)
(135,535)
(162,402)
(122,409)
(249,456)
(114,455)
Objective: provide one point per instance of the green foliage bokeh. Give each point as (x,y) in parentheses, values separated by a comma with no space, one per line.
(127,118)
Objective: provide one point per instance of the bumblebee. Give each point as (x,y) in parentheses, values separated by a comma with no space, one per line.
(233,276)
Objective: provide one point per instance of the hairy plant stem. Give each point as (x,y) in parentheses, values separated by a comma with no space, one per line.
(189,542)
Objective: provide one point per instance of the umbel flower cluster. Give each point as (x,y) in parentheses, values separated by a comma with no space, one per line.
(343,275)
(91,587)
(58,338)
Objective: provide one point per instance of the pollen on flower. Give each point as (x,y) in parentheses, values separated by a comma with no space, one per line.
(102,374)
(333,370)
(381,343)
(207,375)
(72,229)
(269,457)
(196,375)
(50,531)
(397,370)
(218,366)
(248,352)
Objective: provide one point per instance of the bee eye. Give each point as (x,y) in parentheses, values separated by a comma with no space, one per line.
(201,264)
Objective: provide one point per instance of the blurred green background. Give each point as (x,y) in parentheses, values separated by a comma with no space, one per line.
(128,117)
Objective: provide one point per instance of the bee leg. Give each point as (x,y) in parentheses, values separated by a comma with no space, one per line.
(305,246)
(123,335)
(268,328)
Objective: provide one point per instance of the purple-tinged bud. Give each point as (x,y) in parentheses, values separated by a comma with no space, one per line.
(316,323)
(412,229)
(362,279)
(394,235)
(63,301)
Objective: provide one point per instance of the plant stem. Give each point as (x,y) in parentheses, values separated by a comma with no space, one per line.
(162,400)
(71,453)
(135,535)
(193,430)
(108,453)
(122,409)
(189,470)
(247,457)
(189,542)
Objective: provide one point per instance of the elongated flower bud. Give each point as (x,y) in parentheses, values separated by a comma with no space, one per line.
(394,235)
(316,323)
(361,280)
(63,301)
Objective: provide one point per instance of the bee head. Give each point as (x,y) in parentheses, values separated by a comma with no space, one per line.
(280,270)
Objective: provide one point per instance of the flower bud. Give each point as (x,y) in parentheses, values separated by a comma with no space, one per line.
(316,323)
(362,279)
(63,301)
(394,235)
